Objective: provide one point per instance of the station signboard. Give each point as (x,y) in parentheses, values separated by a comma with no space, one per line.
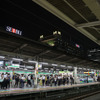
(13,30)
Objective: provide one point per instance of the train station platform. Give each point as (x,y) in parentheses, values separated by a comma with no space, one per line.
(46,93)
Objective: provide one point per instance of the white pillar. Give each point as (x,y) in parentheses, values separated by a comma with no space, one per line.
(75,75)
(36,70)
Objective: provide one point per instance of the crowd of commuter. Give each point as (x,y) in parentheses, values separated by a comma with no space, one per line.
(56,80)
(15,81)
(22,80)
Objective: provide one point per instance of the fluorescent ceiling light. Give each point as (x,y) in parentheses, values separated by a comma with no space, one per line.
(25,69)
(44,63)
(2,57)
(29,67)
(45,68)
(17,59)
(69,66)
(62,65)
(96,60)
(89,55)
(52,69)
(32,61)
(84,68)
(54,64)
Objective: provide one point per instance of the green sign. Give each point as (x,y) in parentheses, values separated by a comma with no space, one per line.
(63,72)
(21,72)
(44,73)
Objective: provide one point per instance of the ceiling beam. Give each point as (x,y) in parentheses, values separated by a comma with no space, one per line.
(59,57)
(42,53)
(71,60)
(80,62)
(54,10)
(21,47)
(89,24)
(94,7)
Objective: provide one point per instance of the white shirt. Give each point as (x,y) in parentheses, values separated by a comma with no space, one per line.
(23,78)
(29,77)
(43,77)
(5,76)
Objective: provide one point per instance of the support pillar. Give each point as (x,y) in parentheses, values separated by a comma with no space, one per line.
(75,75)
(36,72)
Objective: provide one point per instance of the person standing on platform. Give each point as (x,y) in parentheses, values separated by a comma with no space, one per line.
(87,80)
(47,80)
(17,81)
(29,80)
(64,80)
(32,80)
(8,80)
(43,80)
(59,80)
(51,80)
(5,80)
(55,80)
(13,80)
(67,80)
(22,81)
(71,79)
(2,81)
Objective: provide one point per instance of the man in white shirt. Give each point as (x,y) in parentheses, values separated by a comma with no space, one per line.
(29,80)
(43,80)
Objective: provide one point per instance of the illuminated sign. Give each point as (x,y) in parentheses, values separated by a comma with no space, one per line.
(13,30)
(78,46)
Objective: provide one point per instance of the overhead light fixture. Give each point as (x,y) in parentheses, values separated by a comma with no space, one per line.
(98,50)
(2,57)
(79,68)
(30,67)
(96,60)
(54,64)
(69,66)
(45,68)
(44,63)
(62,65)
(32,61)
(17,59)
(25,69)
(52,69)
(41,36)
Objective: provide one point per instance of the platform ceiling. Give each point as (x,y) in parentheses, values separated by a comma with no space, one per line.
(12,45)
(83,15)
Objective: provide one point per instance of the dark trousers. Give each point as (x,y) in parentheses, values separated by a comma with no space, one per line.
(55,82)
(43,81)
(59,82)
